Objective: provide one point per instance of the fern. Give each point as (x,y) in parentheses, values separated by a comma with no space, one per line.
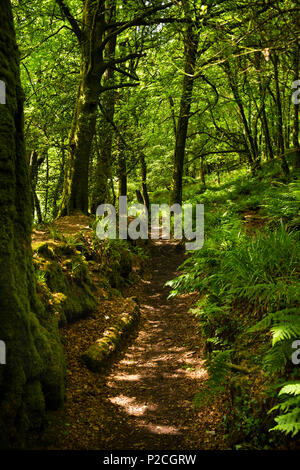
(218,368)
(249,289)
(289,422)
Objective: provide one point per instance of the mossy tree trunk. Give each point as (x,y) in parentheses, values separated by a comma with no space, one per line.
(202,171)
(280,133)
(93,34)
(295,132)
(35,163)
(264,120)
(263,85)
(144,180)
(122,169)
(75,191)
(104,138)
(191,40)
(33,376)
(59,183)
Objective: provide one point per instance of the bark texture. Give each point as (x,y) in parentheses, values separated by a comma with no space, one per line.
(191,40)
(33,376)
(75,191)
(104,138)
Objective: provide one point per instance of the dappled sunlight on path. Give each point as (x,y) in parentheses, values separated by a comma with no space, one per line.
(154,384)
(145,400)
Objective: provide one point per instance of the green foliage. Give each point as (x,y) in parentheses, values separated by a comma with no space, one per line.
(40,275)
(288,420)
(249,292)
(218,370)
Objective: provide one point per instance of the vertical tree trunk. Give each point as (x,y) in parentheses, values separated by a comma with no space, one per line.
(280,134)
(139,196)
(201,171)
(93,35)
(35,162)
(33,374)
(172,107)
(295,133)
(105,136)
(122,169)
(103,171)
(144,180)
(264,120)
(253,153)
(266,131)
(75,192)
(37,207)
(59,184)
(47,186)
(113,191)
(191,40)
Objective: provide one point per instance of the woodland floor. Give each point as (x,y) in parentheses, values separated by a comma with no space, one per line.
(145,399)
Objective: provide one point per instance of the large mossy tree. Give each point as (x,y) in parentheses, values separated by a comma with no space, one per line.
(95,34)
(33,377)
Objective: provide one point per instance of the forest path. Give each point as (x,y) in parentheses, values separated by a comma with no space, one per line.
(145,401)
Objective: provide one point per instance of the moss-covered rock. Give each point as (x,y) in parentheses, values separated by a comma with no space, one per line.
(99,353)
(65,287)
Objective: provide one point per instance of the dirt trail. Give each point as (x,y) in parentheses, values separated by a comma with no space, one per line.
(145,400)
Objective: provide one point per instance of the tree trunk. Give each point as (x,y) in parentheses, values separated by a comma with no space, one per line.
(122,169)
(191,39)
(172,107)
(253,153)
(201,171)
(139,196)
(33,375)
(37,207)
(75,192)
(144,180)
(296,111)
(35,163)
(280,135)
(47,186)
(93,34)
(105,136)
(59,184)
(263,116)
(266,131)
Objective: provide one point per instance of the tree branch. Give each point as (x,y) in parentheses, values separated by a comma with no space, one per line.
(134,22)
(120,60)
(118,85)
(73,22)
(125,72)
(214,152)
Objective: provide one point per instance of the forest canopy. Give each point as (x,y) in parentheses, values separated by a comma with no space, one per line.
(186,86)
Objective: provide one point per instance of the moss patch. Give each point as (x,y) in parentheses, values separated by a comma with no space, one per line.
(97,355)
(64,285)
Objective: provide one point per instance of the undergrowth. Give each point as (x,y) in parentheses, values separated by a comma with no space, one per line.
(247,278)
